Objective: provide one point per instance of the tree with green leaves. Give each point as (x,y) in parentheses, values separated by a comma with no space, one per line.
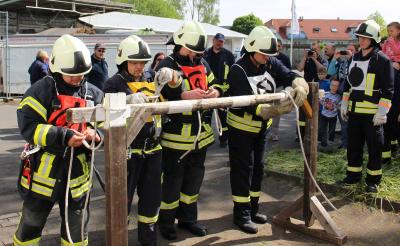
(203,10)
(378,18)
(244,24)
(160,8)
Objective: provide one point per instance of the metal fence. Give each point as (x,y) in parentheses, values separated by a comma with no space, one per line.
(4,56)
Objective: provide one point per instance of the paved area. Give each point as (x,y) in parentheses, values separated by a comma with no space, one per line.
(363,225)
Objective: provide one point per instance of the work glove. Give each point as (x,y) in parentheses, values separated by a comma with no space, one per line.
(268,111)
(135,98)
(383,108)
(301,90)
(165,76)
(344,107)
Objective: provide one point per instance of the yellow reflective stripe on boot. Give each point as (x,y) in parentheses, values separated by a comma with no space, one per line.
(169,206)
(66,243)
(255,193)
(35,105)
(39,137)
(188,199)
(393,142)
(387,154)
(354,169)
(147,220)
(302,123)
(241,199)
(32,242)
(374,172)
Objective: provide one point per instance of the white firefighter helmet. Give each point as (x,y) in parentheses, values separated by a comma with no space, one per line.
(369,29)
(132,48)
(261,40)
(70,56)
(190,35)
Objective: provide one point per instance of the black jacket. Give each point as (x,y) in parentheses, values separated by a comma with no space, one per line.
(119,83)
(99,73)
(38,70)
(51,162)
(173,127)
(239,84)
(218,62)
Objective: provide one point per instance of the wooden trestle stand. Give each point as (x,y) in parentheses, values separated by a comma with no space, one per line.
(308,202)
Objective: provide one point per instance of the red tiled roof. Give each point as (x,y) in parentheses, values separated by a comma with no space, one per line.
(325,26)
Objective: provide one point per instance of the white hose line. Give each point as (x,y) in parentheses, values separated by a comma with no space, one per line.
(218,122)
(66,197)
(304,155)
(196,139)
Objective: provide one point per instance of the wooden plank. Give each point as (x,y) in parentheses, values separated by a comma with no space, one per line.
(290,210)
(310,145)
(97,113)
(116,184)
(297,225)
(324,218)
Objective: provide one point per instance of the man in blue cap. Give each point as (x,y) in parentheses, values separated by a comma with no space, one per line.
(220,61)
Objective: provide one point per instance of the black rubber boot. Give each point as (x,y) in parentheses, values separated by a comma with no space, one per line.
(246,226)
(194,228)
(371,189)
(348,181)
(257,217)
(168,232)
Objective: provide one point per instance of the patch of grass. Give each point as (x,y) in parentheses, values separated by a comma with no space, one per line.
(332,167)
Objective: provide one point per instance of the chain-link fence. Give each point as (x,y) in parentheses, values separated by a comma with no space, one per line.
(4,56)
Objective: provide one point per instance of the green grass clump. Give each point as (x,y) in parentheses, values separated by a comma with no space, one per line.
(331,167)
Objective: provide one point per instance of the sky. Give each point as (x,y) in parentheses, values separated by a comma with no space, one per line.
(309,9)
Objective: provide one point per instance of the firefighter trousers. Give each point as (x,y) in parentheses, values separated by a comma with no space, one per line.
(391,133)
(34,215)
(361,130)
(222,116)
(181,185)
(144,174)
(246,156)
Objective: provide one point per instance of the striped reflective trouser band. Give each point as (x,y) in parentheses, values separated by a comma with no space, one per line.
(364,107)
(142,151)
(147,220)
(169,206)
(302,123)
(34,105)
(386,154)
(66,243)
(245,123)
(32,242)
(41,133)
(255,193)
(241,199)
(393,142)
(374,172)
(354,169)
(188,199)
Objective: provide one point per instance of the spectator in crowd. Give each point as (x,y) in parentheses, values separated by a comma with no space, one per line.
(352,48)
(311,62)
(275,121)
(149,73)
(391,48)
(330,103)
(330,51)
(324,83)
(40,66)
(99,73)
(220,61)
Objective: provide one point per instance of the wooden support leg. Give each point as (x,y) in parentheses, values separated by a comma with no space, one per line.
(116,184)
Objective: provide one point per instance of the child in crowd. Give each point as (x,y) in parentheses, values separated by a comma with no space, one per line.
(330,103)
(323,81)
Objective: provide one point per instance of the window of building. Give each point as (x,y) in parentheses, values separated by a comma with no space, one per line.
(316,29)
(333,29)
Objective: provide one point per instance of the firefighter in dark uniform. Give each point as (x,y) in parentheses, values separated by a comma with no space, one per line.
(365,104)
(42,122)
(255,73)
(144,163)
(185,75)
(220,61)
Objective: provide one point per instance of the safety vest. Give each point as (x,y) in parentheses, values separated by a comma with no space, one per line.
(260,84)
(41,172)
(149,145)
(181,135)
